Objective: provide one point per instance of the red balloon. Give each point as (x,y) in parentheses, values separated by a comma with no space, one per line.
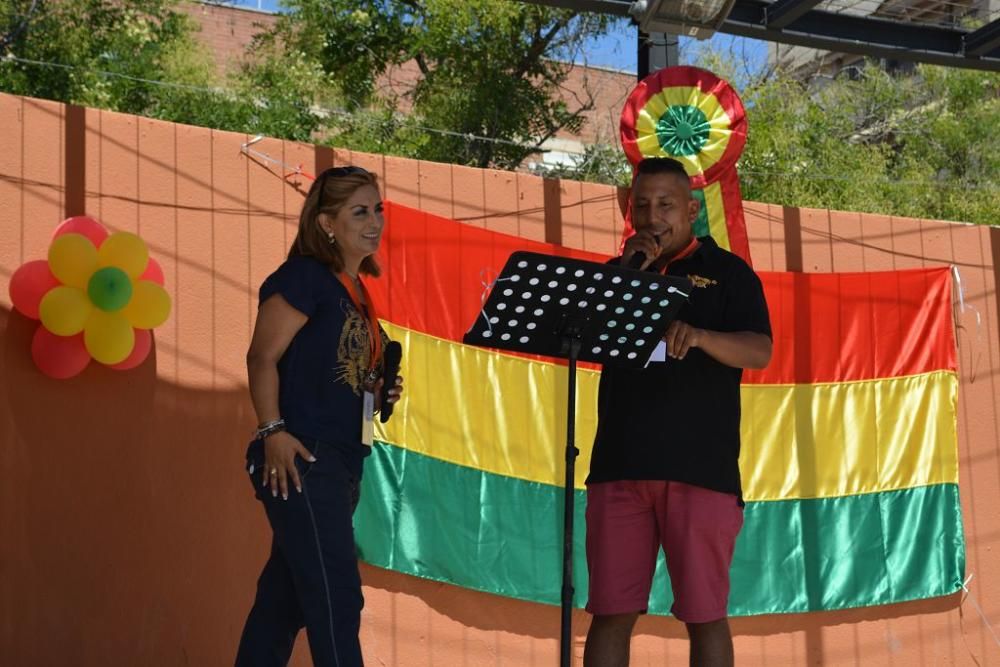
(153,272)
(59,357)
(143,344)
(85,225)
(29,284)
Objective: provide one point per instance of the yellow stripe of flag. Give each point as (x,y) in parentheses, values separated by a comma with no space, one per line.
(506,415)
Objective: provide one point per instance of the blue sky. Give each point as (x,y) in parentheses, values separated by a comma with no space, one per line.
(617,49)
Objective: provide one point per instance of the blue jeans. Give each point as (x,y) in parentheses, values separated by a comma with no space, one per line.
(311,579)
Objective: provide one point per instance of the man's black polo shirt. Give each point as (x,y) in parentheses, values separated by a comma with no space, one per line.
(680,420)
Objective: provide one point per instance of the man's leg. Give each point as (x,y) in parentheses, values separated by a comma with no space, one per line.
(711,644)
(699,529)
(622,544)
(609,641)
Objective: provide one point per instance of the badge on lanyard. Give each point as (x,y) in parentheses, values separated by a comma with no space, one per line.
(375,353)
(368,419)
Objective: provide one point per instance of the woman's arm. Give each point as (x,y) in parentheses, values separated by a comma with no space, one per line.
(276,326)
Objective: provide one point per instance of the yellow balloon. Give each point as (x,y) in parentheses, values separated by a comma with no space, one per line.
(73,259)
(149,306)
(126,251)
(108,336)
(64,310)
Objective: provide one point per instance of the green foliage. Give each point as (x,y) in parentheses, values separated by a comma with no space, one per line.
(131,38)
(488,68)
(274,93)
(922,146)
(925,145)
(117,54)
(600,163)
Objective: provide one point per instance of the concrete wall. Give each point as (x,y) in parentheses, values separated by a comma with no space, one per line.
(129,535)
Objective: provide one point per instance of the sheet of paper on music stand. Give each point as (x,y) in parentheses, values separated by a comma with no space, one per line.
(659,354)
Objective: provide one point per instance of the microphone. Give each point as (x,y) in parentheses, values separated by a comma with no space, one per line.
(639,258)
(393,356)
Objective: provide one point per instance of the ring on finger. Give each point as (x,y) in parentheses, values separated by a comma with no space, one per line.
(274,471)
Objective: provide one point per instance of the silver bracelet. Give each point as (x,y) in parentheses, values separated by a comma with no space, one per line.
(269,428)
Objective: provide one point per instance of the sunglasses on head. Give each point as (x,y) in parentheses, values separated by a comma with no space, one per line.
(337,172)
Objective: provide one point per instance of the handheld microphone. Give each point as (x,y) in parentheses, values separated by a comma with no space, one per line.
(393,356)
(639,258)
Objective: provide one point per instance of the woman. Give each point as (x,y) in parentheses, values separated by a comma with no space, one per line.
(314,367)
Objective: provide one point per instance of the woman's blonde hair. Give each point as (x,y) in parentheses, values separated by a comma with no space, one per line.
(328,194)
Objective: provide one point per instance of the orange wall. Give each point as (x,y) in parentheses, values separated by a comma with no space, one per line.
(129,533)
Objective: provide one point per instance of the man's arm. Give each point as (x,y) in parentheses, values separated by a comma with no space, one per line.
(739,349)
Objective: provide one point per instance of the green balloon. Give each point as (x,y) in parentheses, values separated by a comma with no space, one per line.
(109,289)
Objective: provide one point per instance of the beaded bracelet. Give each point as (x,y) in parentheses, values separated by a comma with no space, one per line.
(268,429)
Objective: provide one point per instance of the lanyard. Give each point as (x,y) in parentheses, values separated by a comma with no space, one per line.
(687,252)
(374,336)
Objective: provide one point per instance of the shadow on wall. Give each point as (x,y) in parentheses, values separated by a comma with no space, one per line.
(130,533)
(126,511)
(469,608)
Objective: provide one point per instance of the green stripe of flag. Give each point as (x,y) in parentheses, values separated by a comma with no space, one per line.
(433,519)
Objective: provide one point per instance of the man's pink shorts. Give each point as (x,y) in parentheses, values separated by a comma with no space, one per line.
(628,522)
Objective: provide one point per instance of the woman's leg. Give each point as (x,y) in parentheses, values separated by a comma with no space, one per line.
(312,578)
(275,618)
(326,573)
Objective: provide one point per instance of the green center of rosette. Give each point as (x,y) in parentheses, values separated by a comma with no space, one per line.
(682,130)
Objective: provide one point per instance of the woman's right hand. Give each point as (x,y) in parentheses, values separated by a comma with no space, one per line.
(280,450)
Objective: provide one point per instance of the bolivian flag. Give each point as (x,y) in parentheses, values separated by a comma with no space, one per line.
(849,461)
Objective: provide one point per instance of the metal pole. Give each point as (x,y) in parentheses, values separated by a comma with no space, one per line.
(656,51)
(566,638)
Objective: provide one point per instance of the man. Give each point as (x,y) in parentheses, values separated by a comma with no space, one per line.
(664,470)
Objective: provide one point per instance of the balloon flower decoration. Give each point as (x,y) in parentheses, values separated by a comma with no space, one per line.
(98,296)
(693,116)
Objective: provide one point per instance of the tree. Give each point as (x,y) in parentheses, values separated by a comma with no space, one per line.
(599,163)
(142,57)
(128,38)
(904,145)
(489,68)
(921,145)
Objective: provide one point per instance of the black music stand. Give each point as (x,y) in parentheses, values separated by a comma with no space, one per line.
(576,310)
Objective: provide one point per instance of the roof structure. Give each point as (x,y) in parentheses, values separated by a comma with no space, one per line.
(930,31)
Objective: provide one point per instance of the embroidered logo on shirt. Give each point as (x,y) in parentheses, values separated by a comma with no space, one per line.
(699,281)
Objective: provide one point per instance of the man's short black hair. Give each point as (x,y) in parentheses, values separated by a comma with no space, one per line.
(661,165)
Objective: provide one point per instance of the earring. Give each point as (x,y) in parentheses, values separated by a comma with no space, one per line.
(332,238)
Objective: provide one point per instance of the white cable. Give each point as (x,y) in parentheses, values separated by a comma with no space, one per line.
(246,150)
(961,289)
(468,136)
(986,622)
(487,286)
(168,84)
(962,305)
